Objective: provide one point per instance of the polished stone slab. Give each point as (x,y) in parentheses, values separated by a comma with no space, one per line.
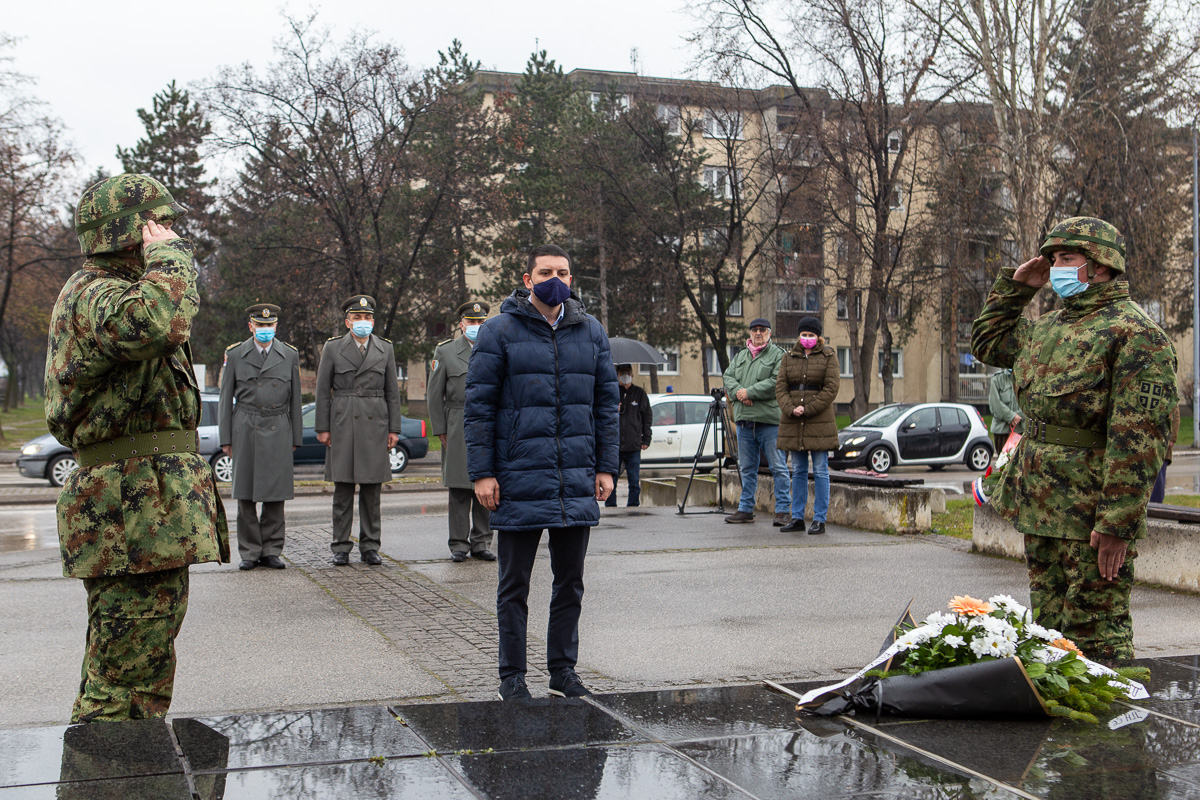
(591,773)
(521,725)
(684,714)
(294,737)
(156,787)
(1174,691)
(417,778)
(98,751)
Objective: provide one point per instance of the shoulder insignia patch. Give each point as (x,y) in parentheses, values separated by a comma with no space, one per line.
(433,367)
(333,338)
(444,341)
(235,344)
(1150,395)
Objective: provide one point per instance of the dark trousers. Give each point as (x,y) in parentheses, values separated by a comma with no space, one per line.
(259,533)
(369,527)
(468,522)
(631,463)
(1159,492)
(516,551)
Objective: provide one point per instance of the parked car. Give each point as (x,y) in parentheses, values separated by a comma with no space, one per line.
(45,457)
(413,443)
(677,421)
(911,434)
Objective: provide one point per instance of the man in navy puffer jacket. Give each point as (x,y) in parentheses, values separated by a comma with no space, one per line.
(542,443)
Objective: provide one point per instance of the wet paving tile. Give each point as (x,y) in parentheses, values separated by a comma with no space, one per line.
(87,752)
(684,714)
(1193,662)
(529,724)
(591,773)
(294,737)
(1174,691)
(157,787)
(830,764)
(420,777)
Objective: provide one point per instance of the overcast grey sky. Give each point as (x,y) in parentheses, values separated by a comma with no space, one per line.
(96,63)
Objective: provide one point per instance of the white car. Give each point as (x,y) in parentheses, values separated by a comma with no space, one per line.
(677,422)
(915,434)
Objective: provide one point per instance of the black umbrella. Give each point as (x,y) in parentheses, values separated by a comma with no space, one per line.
(631,351)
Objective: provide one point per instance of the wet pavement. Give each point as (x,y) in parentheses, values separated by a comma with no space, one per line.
(723,742)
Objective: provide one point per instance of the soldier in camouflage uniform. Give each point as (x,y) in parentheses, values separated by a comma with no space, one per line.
(121,393)
(1096,381)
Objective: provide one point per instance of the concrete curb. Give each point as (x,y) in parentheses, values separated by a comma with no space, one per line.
(21,496)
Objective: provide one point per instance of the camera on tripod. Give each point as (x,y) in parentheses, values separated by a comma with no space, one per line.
(718,394)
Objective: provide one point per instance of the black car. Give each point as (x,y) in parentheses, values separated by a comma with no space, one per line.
(413,444)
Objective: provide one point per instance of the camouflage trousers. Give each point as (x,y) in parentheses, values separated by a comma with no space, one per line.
(129,663)
(1066,592)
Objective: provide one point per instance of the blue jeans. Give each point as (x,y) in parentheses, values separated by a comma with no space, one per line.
(632,464)
(754,438)
(820,460)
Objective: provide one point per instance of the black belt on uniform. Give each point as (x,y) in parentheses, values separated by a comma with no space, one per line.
(805,387)
(1057,434)
(262,411)
(140,444)
(357,392)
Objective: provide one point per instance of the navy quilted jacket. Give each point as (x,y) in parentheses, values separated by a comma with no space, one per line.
(541,414)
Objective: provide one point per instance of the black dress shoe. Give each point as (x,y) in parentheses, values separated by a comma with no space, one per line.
(458,557)
(372,557)
(274,562)
(484,555)
(341,559)
(793,526)
(248,564)
(816,529)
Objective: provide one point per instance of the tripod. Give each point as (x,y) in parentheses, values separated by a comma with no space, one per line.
(717,422)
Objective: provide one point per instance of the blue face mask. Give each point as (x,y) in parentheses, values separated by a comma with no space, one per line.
(264,335)
(362,328)
(552,292)
(1065,281)
(471,332)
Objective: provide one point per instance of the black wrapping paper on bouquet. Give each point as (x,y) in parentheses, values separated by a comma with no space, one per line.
(985,690)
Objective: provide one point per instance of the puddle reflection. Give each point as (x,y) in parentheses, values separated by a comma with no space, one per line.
(24,529)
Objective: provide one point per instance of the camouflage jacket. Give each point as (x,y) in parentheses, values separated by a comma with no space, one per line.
(1098,364)
(118,363)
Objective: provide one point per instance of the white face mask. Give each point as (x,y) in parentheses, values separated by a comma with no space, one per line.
(625,380)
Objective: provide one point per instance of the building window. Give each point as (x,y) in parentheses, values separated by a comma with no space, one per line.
(801,251)
(894,142)
(897,363)
(711,364)
(896,200)
(722,124)
(713,238)
(709,301)
(717,179)
(670,367)
(620,102)
(670,118)
(895,308)
(845,365)
(844,309)
(800,297)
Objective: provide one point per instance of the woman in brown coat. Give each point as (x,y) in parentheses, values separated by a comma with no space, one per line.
(806,387)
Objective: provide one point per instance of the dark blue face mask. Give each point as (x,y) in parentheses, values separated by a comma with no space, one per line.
(552,292)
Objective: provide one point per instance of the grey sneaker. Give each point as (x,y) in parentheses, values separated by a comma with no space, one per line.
(513,688)
(740,516)
(567,684)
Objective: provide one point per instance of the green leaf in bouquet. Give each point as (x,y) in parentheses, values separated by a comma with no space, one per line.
(1035,669)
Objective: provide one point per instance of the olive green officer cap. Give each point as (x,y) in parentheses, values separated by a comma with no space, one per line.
(1095,238)
(362,303)
(112,213)
(263,312)
(474,309)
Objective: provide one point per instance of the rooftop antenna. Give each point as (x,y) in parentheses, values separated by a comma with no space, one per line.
(633,58)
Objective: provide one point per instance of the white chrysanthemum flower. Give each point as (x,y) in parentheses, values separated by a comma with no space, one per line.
(917,636)
(1009,605)
(1004,648)
(992,645)
(1037,630)
(954,641)
(979,646)
(940,619)
(1052,634)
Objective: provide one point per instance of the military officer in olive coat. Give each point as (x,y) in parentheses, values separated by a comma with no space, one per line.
(358,419)
(469,531)
(260,426)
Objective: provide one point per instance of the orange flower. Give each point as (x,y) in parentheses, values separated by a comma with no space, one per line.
(1066,644)
(969,606)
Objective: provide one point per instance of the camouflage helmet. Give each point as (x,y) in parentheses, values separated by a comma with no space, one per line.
(112,213)
(1095,238)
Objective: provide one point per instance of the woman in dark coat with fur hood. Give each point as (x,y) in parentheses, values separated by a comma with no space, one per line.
(806,387)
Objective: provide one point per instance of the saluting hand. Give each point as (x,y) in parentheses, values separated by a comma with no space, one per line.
(153,232)
(1035,272)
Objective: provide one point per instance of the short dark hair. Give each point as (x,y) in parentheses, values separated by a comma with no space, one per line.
(546,250)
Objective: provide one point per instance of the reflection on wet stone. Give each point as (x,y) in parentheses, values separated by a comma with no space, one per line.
(517,725)
(1174,690)
(420,777)
(706,713)
(294,737)
(591,773)
(156,787)
(800,764)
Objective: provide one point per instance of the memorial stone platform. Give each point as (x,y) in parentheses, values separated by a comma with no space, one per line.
(723,742)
